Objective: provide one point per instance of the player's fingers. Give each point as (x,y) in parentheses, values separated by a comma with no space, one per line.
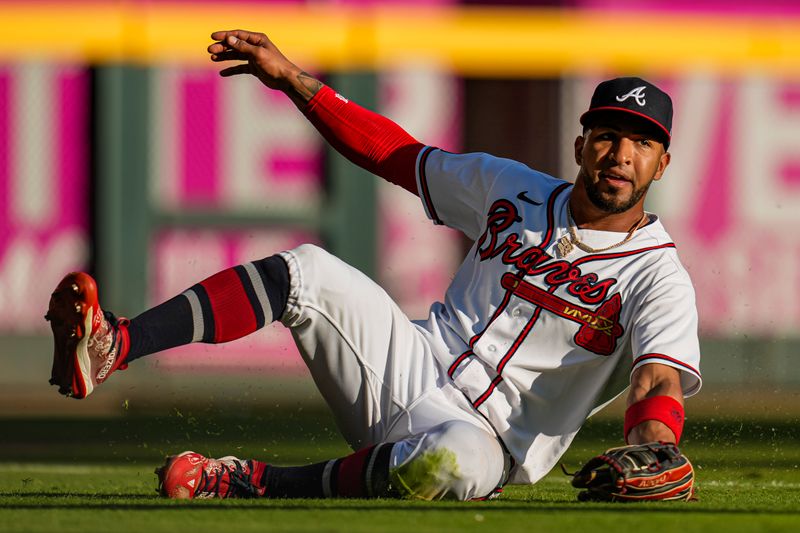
(250,37)
(233,71)
(240,45)
(221,35)
(229,55)
(217,48)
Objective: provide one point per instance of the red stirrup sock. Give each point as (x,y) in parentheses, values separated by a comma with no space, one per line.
(228,305)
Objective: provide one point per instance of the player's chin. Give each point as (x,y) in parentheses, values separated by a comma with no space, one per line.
(610,202)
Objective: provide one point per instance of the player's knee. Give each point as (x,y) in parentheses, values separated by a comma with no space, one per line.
(312,254)
(455,461)
(319,264)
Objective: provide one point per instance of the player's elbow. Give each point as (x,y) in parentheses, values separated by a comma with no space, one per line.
(655,380)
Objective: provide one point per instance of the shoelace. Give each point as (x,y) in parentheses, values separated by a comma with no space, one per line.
(240,481)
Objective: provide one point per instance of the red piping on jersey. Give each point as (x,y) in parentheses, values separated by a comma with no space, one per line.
(423,186)
(551,214)
(666,358)
(459,359)
(368,139)
(521,337)
(545,242)
(485,396)
(616,255)
(497,313)
(526,330)
(474,339)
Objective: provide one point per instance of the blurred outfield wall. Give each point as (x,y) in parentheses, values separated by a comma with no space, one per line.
(191,173)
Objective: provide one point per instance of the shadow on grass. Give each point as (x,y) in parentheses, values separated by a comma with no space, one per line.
(142,502)
(310,435)
(57,495)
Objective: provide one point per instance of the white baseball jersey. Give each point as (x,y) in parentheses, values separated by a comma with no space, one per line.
(538,342)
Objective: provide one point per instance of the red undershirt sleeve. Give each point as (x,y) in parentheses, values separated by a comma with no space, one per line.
(368,139)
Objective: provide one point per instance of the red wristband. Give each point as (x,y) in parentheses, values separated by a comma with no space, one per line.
(665,409)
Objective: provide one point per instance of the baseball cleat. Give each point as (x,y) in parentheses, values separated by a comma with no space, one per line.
(190,475)
(89,344)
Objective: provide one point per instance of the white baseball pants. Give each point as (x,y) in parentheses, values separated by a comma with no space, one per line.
(376,371)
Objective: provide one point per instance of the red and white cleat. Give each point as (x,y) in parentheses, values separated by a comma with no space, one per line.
(89,344)
(191,475)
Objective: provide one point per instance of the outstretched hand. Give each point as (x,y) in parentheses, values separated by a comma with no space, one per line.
(263,60)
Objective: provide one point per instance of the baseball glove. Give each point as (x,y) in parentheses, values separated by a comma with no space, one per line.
(652,471)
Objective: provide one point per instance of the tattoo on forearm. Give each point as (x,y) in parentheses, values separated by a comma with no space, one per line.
(310,84)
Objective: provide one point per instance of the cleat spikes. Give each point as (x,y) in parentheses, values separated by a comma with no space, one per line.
(78,308)
(75,288)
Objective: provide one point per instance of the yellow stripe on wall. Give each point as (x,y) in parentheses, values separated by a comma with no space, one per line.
(473,41)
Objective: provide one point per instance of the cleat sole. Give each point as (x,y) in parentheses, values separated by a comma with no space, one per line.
(70,318)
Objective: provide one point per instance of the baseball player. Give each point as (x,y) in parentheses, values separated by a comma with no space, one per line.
(569,295)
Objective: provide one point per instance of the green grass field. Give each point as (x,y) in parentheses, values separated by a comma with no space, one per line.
(97,475)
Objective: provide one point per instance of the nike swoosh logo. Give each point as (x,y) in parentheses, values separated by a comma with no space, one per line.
(523,196)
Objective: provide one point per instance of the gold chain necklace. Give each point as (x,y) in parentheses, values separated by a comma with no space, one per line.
(568,242)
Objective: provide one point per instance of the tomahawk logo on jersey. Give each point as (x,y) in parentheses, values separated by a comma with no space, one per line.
(532,338)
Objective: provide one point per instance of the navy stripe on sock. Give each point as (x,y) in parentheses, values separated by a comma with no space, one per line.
(275,277)
(165,326)
(335,478)
(378,477)
(250,291)
(293,481)
(208,313)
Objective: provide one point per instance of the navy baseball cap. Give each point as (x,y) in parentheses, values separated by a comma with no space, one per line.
(636,97)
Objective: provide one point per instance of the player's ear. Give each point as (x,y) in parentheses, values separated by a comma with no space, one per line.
(666,157)
(579,140)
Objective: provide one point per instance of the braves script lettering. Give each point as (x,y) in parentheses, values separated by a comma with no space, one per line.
(533,261)
(599,329)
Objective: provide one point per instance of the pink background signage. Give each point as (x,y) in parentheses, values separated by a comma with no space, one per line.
(181,258)
(736,212)
(43,179)
(230,145)
(417,259)
(234,147)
